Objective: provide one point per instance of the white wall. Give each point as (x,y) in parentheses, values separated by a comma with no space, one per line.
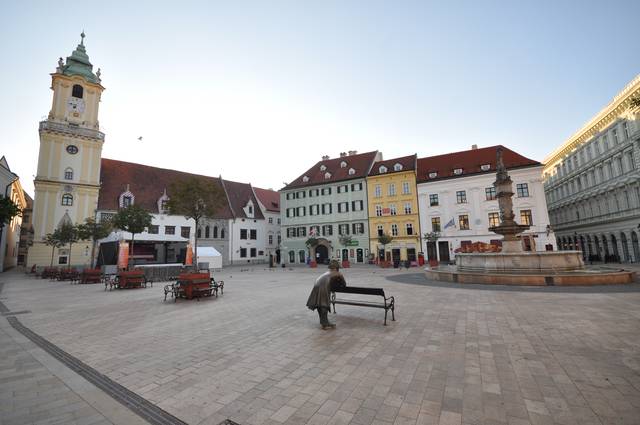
(259,243)
(478,208)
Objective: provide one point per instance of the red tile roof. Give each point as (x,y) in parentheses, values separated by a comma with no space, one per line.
(239,195)
(269,198)
(408,164)
(470,162)
(361,163)
(146,183)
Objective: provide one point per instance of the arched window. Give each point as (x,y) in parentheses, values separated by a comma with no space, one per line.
(206,232)
(292,256)
(77,91)
(199,232)
(67,199)
(301,254)
(68,174)
(215,232)
(221,233)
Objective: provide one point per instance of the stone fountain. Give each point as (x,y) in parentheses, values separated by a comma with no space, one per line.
(513,265)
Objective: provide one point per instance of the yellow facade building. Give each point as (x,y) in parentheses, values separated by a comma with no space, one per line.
(393,209)
(68,176)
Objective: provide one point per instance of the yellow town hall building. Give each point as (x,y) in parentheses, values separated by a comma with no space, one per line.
(68,175)
(393,209)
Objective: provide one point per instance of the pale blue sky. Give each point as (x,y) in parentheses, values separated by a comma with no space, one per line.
(259,91)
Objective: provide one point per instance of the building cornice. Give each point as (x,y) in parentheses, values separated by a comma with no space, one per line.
(603,119)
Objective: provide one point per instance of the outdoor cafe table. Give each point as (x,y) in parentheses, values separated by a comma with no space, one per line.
(193,284)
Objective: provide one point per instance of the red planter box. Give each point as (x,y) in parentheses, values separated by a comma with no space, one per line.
(345,264)
(313,264)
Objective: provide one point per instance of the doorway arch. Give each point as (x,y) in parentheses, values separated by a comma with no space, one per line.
(322,253)
(636,247)
(625,247)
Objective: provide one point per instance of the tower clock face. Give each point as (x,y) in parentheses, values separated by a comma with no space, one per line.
(75,104)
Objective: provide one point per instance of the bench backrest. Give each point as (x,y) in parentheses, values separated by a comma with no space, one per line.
(360,290)
(131,273)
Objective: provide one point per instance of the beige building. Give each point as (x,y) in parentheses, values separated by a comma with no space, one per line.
(10,232)
(592,183)
(68,175)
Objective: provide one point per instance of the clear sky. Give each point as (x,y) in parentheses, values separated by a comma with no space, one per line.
(258,91)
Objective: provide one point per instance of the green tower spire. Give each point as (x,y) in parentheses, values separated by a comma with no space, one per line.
(78,63)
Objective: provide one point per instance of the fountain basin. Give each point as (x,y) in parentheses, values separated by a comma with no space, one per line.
(589,276)
(520,262)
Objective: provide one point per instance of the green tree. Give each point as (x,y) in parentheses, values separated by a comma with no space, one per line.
(93,231)
(384,240)
(53,240)
(68,234)
(133,219)
(195,198)
(8,210)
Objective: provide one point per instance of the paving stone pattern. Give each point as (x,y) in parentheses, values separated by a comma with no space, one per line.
(30,394)
(256,355)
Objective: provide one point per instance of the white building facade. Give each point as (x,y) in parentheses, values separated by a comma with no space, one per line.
(592,183)
(457,200)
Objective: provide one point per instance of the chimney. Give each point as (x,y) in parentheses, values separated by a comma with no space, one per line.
(325,157)
(351,153)
(343,154)
(474,147)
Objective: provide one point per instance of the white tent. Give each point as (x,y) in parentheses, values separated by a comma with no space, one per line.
(208,254)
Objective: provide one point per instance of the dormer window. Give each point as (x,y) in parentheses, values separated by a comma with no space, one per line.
(305,179)
(382,169)
(397,167)
(457,171)
(77,91)
(323,167)
(68,174)
(343,164)
(433,175)
(163,203)
(485,167)
(126,199)
(351,171)
(248,209)
(327,176)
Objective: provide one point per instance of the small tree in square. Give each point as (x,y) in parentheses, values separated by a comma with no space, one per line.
(53,240)
(384,240)
(93,231)
(68,234)
(195,198)
(132,219)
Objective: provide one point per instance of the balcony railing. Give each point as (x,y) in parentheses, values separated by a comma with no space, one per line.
(71,129)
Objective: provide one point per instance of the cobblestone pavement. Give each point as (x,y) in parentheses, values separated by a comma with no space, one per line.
(256,355)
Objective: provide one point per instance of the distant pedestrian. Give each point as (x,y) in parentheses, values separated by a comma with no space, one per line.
(319,297)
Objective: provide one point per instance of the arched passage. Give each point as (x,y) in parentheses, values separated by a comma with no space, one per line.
(635,246)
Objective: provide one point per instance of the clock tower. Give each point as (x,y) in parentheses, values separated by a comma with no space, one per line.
(68,176)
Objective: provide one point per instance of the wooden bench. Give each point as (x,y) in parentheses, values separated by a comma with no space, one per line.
(128,279)
(194,287)
(49,273)
(90,276)
(68,274)
(387,304)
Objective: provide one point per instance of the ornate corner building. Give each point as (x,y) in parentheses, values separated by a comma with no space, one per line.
(592,183)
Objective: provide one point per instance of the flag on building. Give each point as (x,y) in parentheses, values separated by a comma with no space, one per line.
(450,223)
